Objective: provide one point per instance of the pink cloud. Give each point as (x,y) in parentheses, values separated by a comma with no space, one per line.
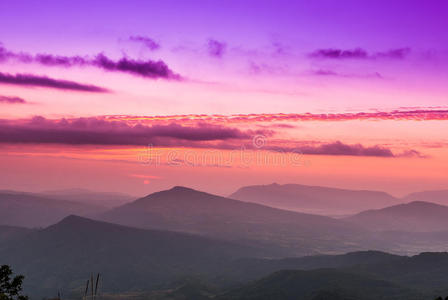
(418,114)
(101,131)
(11,100)
(338,148)
(97,131)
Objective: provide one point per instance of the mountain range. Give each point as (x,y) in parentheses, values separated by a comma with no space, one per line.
(329,201)
(284,232)
(186,244)
(404,228)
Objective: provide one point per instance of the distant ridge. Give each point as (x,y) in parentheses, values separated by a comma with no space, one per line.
(418,216)
(314,199)
(104,199)
(30,210)
(436,196)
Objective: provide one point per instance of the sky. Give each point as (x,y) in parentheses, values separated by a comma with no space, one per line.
(138,96)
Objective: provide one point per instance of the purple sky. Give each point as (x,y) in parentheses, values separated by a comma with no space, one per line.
(166,69)
(91,24)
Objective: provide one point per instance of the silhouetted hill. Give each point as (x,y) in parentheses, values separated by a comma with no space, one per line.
(187,210)
(10,233)
(243,270)
(105,199)
(314,199)
(415,216)
(438,197)
(425,271)
(319,284)
(145,262)
(63,255)
(29,210)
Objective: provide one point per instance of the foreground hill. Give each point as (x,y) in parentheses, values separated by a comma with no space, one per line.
(247,269)
(356,276)
(62,256)
(415,216)
(323,284)
(314,199)
(29,210)
(426,271)
(11,233)
(365,275)
(187,210)
(154,264)
(438,197)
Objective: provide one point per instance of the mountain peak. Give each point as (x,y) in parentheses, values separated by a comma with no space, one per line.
(72,220)
(74,224)
(176,192)
(179,188)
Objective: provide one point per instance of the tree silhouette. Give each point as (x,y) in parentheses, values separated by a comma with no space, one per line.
(10,288)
